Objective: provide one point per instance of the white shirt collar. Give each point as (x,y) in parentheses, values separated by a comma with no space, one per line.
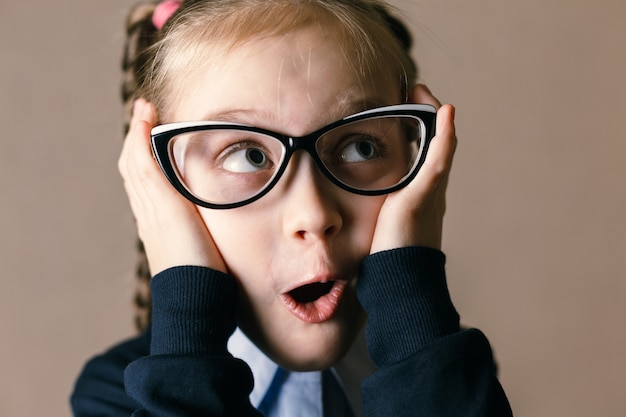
(302,391)
(262,367)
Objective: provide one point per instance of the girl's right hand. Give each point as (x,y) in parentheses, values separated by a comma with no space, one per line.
(169,225)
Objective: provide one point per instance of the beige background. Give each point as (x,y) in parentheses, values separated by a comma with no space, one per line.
(535,233)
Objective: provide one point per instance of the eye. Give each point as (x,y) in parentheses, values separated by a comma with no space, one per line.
(245,158)
(362,148)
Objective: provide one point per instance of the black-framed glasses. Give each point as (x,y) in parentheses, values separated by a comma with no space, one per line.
(224,165)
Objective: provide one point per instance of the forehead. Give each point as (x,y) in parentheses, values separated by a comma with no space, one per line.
(212,40)
(303,76)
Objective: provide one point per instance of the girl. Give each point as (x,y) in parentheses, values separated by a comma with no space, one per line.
(272,166)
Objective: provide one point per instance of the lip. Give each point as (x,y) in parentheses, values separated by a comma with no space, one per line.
(321,308)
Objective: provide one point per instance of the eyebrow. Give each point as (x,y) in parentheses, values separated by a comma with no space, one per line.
(253,116)
(349,107)
(244,116)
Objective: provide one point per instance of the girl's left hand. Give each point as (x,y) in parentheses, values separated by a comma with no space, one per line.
(413,216)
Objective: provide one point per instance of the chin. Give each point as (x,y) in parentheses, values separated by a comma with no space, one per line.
(312,356)
(305,347)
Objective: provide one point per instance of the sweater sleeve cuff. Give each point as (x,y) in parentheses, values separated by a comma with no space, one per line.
(193,311)
(405,295)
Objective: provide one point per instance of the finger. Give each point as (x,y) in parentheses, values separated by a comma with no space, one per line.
(146,112)
(137,153)
(137,167)
(422,95)
(144,119)
(442,147)
(439,157)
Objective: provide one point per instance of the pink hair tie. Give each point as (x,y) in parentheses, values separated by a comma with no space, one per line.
(164,11)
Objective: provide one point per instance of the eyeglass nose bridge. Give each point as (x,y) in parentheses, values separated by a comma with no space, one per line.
(307,144)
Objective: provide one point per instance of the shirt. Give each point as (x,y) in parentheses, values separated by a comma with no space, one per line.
(287,393)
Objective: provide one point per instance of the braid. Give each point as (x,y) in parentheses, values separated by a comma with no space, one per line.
(141,34)
(142,298)
(402,34)
(397,27)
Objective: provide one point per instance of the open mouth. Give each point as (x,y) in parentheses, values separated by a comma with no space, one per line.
(311,292)
(315,302)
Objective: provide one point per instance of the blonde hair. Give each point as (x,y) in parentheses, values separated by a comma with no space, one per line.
(365,30)
(371,38)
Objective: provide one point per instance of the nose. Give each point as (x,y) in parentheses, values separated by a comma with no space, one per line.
(311,209)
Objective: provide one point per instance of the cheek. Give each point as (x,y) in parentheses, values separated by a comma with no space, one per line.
(222,227)
(363,218)
(240,233)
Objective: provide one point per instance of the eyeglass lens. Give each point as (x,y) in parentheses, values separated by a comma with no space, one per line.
(225,166)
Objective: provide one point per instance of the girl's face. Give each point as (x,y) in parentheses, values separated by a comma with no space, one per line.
(295,253)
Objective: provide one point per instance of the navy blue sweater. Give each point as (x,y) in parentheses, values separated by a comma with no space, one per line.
(426,365)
